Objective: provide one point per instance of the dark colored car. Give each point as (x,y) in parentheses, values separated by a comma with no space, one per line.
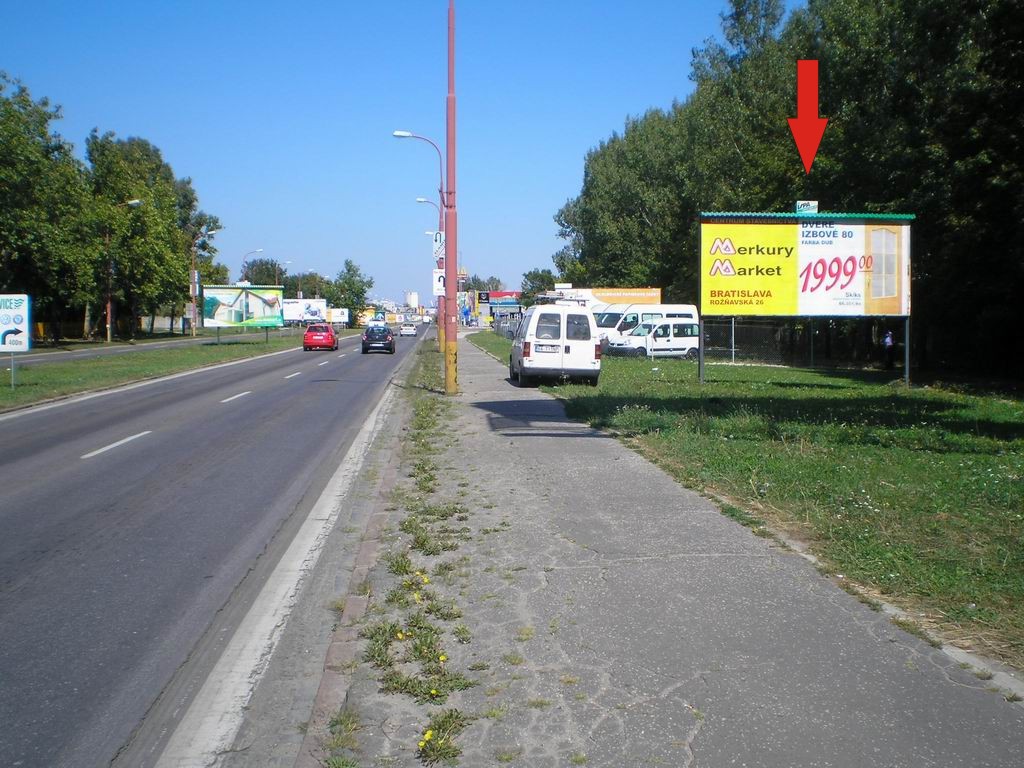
(378,337)
(319,336)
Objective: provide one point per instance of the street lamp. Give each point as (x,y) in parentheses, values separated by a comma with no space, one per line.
(440,215)
(245,259)
(441,327)
(194,283)
(133,203)
(277,273)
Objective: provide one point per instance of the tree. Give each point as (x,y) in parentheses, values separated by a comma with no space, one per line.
(47,242)
(263,271)
(149,256)
(352,287)
(477,283)
(535,281)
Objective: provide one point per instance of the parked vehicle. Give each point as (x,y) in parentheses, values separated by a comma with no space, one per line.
(378,337)
(319,336)
(619,319)
(555,341)
(407,329)
(659,338)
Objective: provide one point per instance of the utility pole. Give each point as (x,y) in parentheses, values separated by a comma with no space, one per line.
(451,230)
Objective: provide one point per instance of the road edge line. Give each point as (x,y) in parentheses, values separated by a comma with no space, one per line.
(213,719)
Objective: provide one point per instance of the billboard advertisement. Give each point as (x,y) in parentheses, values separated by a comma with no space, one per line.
(305,310)
(824,266)
(235,306)
(337,315)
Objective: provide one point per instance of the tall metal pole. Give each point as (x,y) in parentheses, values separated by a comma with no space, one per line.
(451,230)
(110,280)
(193,289)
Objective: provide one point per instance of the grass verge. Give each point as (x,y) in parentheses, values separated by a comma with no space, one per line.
(917,494)
(44,381)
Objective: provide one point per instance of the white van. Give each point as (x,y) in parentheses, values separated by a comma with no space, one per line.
(555,341)
(659,338)
(619,319)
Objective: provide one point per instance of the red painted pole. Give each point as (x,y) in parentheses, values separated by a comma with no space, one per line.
(451,229)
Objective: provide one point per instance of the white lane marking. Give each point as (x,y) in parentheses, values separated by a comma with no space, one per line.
(293,375)
(127,387)
(114,445)
(325,362)
(208,728)
(341,355)
(235,397)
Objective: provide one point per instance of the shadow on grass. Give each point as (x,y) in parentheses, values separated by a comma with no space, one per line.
(890,419)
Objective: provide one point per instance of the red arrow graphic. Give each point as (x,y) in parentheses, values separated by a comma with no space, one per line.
(807,127)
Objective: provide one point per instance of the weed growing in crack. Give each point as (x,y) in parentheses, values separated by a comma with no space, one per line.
(462,634)
(380,636)
(437,744)
(343,727)
(398,563)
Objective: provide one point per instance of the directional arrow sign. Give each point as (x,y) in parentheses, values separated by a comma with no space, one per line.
(15,322)
(807,127)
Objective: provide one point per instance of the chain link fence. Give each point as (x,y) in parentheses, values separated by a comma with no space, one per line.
(800,342)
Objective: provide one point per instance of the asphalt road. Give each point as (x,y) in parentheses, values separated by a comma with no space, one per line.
(128,521)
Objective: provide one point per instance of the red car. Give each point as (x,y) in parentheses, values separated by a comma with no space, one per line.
(319,337)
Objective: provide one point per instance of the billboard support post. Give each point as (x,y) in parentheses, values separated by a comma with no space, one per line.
(12,370)
(906,350)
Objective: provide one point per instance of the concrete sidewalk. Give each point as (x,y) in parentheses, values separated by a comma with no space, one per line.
(618,619)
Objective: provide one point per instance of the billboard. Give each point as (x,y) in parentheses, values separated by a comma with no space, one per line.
(234,306)
(825,265)
(337,315)
(305,310)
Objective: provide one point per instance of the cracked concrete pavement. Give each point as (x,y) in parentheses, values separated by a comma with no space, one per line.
(618,619)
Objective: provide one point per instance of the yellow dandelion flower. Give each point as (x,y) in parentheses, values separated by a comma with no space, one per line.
(433,691)
(442,658)
(428,735)
(423,744)
(426,579)
(399,635)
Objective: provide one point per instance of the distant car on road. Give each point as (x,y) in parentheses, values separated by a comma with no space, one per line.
(407,329)
(319,336)
(378,337)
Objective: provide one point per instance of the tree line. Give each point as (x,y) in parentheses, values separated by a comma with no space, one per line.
(924,102)
(120,228)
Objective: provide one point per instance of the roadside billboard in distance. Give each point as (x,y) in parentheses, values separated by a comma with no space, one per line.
(818,265)
(235,306)
(337,315)
(305,310)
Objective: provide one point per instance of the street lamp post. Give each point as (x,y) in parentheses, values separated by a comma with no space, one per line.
(134,203)
(245,260)
(440,215)
(277,272)
(194,279)
(442,304)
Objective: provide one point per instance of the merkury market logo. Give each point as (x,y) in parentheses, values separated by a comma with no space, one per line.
(726,250)
(725,267)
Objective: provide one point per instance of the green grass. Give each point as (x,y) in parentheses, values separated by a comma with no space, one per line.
(44,381)
(493,344)
(917,494)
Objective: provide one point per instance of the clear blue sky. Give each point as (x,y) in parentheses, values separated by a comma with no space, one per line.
(282,116)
